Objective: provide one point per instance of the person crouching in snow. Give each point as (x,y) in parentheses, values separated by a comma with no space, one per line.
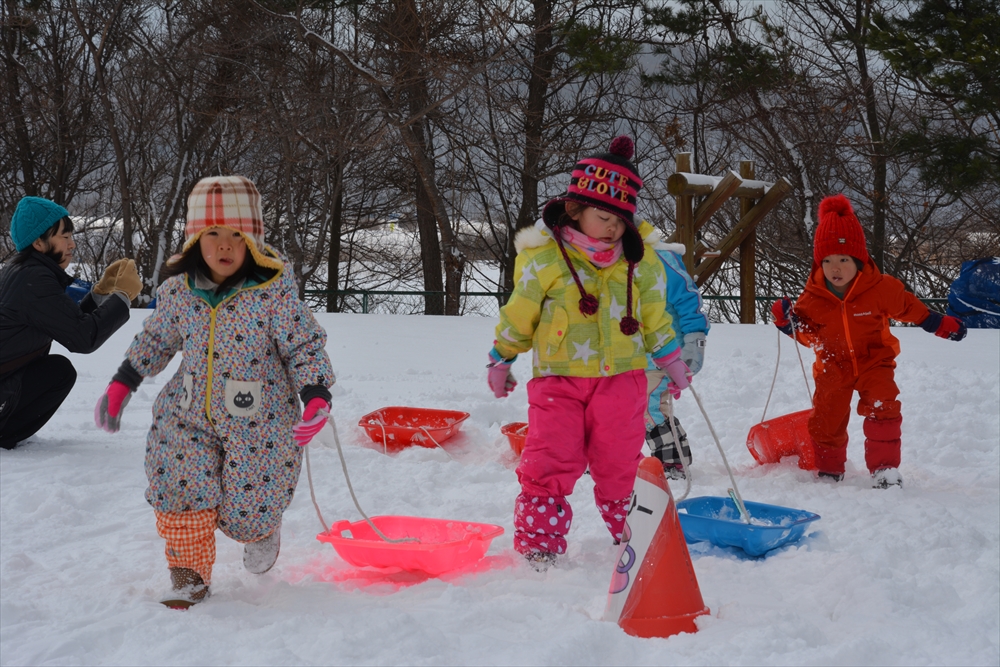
(843,314)
(220,452)
(684,304)
(590,303)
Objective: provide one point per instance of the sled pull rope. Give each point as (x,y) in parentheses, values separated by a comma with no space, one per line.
(385,439)
(735,491)
(680,450)
(347,478)
(777,362)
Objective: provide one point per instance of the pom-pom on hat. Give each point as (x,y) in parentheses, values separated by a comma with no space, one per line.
(838,231)
(232,202)
(607,181)
(31,218)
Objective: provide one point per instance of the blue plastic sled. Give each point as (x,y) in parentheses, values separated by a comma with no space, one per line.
(715,519)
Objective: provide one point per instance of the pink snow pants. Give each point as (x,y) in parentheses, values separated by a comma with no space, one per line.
(575,422)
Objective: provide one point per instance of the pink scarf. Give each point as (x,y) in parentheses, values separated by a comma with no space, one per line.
(600,253)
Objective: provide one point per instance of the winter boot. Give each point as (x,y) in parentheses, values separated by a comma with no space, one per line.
(674,471)
(259,556)
(662,444)
(540,561)
(830,461)
(541,523)
(882,444)
(886,477)
(188,589)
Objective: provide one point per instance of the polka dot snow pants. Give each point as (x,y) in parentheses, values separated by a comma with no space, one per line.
(576,423)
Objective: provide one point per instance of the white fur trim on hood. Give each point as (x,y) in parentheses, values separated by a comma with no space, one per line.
(672,247)
(533,237)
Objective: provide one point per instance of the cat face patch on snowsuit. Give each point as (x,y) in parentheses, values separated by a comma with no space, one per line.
(242,398)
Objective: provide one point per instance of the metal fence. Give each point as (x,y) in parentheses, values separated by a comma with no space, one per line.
(488,304)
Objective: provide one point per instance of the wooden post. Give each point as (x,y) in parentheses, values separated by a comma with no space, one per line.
(684,215)
(748,255)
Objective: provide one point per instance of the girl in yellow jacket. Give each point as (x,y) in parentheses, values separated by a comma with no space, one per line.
(589,303)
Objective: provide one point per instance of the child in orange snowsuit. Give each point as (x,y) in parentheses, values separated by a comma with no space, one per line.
(843,314)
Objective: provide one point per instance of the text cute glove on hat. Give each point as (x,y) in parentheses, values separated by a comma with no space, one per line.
(606,181)
(228,201)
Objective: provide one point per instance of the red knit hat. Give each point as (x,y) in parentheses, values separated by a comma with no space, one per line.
(838,232)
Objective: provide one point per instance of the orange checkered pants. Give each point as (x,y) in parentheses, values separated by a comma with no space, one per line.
(190,539)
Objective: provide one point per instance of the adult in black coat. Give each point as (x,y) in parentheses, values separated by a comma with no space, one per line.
(35,310)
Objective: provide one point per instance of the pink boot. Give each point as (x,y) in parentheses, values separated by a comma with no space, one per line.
(540,524)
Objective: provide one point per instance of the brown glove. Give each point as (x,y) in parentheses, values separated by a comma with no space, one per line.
(120,276)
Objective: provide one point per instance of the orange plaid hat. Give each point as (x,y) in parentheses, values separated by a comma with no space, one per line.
(232,202)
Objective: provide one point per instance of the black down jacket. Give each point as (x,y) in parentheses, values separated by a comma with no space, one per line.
(35,310)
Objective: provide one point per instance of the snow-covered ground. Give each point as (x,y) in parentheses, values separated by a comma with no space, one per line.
(898,577)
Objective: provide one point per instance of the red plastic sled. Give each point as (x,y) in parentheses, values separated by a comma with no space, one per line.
(441,545)
(787,435)
(516,433)
(397,427)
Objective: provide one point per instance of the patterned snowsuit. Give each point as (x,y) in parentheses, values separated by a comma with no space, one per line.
(222,426)
(587,398)
(855,351)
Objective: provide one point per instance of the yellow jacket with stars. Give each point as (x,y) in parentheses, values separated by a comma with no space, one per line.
(543,314)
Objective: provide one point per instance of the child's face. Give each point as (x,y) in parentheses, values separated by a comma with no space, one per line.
(224,251)
(598,224)
(60,242)
(839,270)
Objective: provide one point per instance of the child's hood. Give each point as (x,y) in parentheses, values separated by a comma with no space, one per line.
(540,234)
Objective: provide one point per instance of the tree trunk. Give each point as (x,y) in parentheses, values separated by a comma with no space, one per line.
(543,60)
(333,258)
(430,251)
(97,54)
(878,157)
(11,37)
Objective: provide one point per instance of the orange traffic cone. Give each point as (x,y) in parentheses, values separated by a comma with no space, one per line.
(654,592)
(787,435)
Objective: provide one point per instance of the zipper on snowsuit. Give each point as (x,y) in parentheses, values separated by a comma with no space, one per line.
(847,330)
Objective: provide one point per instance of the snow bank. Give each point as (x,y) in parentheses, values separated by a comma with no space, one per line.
(903,576)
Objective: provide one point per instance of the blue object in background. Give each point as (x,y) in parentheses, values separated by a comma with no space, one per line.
(715,519)
(78,290)
(975,295)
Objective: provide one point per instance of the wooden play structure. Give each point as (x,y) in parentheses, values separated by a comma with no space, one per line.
(757,198)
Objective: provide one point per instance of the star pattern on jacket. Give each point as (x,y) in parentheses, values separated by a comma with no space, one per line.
(527,276)
(584,351)
(615,309)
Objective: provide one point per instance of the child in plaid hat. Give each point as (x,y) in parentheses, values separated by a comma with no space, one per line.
(844,314)
(224,447)
(589,301)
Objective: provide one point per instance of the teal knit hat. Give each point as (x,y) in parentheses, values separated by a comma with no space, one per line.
(32,217)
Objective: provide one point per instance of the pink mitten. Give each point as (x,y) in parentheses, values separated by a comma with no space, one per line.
(108,412)
(676,369)
(500,379)
(311,423)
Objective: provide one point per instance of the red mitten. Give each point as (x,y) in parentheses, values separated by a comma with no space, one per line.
(944,326)
(781,311)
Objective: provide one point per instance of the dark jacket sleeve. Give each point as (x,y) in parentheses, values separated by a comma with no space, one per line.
(52,312)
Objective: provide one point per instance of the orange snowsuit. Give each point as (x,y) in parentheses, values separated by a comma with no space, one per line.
(855,351)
